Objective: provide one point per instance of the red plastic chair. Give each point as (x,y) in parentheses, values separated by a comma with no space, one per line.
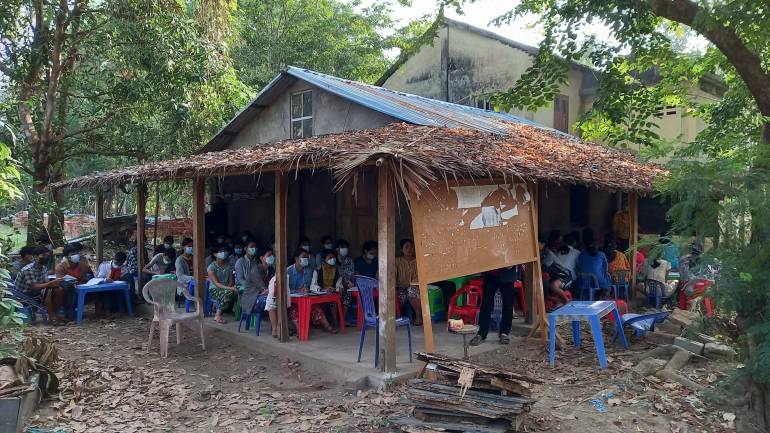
(470,311)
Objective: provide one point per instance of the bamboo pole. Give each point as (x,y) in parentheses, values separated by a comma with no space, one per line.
(633,211)
(141,238)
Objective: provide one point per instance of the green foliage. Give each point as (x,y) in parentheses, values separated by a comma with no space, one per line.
(718,183)
(330,36)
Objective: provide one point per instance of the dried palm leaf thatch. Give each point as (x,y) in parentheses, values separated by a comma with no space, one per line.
(418,156)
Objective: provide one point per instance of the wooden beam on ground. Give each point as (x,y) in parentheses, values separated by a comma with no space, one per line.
(633,216)
(199,239)
(386,240)
(99,226)
(141,238)
(281,254)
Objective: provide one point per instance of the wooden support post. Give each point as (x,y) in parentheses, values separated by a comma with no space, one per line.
(281,254)
(99,226)
(141,238)
(633,217)
(427,325)
(199,239)
(386,240)
(539,321)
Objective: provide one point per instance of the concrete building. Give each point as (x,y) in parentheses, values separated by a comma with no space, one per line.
(465,62)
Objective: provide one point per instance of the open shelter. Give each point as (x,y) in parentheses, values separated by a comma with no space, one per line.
(466,182)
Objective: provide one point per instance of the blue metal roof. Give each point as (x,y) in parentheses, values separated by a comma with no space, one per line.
(408,108)
(413,108)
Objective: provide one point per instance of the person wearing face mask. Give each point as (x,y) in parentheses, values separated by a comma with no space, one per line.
(168,242)
(267,264)
(162,263)
(73,264)
(327,243)
(184,264)
(304,244)
(347,273)
(110,271)
(301,278)
(33,281)
(329,280)
(221,287)
(237,253)
(25,257)
(249,276)
(367,264)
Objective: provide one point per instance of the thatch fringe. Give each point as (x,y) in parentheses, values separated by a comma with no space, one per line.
(418,157)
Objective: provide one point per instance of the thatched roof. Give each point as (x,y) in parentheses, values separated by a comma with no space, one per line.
(418,155)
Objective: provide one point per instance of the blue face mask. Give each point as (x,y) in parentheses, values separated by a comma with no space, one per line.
(304,262)
(252,251)
(270,260)
(239,251)
(188,250)
(75,258)
(222,255)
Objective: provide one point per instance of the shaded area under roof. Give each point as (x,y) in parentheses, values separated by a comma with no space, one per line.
(434,152)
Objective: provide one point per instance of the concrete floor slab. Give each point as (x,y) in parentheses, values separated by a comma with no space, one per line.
(334,355)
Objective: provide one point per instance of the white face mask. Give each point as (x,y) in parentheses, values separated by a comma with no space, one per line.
(328,246)
(304,262)
(343,252)
(167,246)
(331,262)
(371,256)
(305,247)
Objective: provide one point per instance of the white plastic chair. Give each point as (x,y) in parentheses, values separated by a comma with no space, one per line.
(161,294)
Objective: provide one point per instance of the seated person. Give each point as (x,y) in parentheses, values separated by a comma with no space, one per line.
(235,254)
(566,255)
(221,287)
(72,264)
(33,282)
(367,264)
(326,278)
(168,242)
(593,261)
(327,243)
(347,271)
(249,275)
(406,274)
(267,264)
(25,257)
(184,264)
(556,279)
(304,244)
(300,277)
(113,270)
(657,270)
(616,260)
(162,263)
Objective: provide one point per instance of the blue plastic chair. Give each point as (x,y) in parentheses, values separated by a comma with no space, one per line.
(31,305)
(642,323)
(209,303)
(621,283)
(366,288)
(256,313)
(654,293)
(588,282)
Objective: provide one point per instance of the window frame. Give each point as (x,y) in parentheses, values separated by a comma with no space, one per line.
(302,118)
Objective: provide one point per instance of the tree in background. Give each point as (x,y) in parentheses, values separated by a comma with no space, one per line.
(121,78)
(721,178)
(328,36)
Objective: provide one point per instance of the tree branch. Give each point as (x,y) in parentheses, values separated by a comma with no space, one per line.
(94,126)
(56,67)
(746,63)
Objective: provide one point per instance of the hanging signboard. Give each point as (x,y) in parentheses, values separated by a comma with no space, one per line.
(467,228)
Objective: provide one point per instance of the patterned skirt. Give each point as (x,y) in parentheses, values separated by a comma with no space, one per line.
(223,296)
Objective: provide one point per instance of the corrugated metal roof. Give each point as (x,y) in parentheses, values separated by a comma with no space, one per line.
(414,109)
(406,107)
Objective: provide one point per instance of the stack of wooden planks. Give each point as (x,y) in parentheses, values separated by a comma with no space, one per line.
(461,396)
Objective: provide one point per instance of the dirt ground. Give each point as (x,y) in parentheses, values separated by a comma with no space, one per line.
(111,384)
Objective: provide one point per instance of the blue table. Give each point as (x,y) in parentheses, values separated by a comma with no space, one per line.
(591,312)
(83,290)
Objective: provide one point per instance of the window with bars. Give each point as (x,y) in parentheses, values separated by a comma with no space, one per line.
(667,110)
(302,114)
